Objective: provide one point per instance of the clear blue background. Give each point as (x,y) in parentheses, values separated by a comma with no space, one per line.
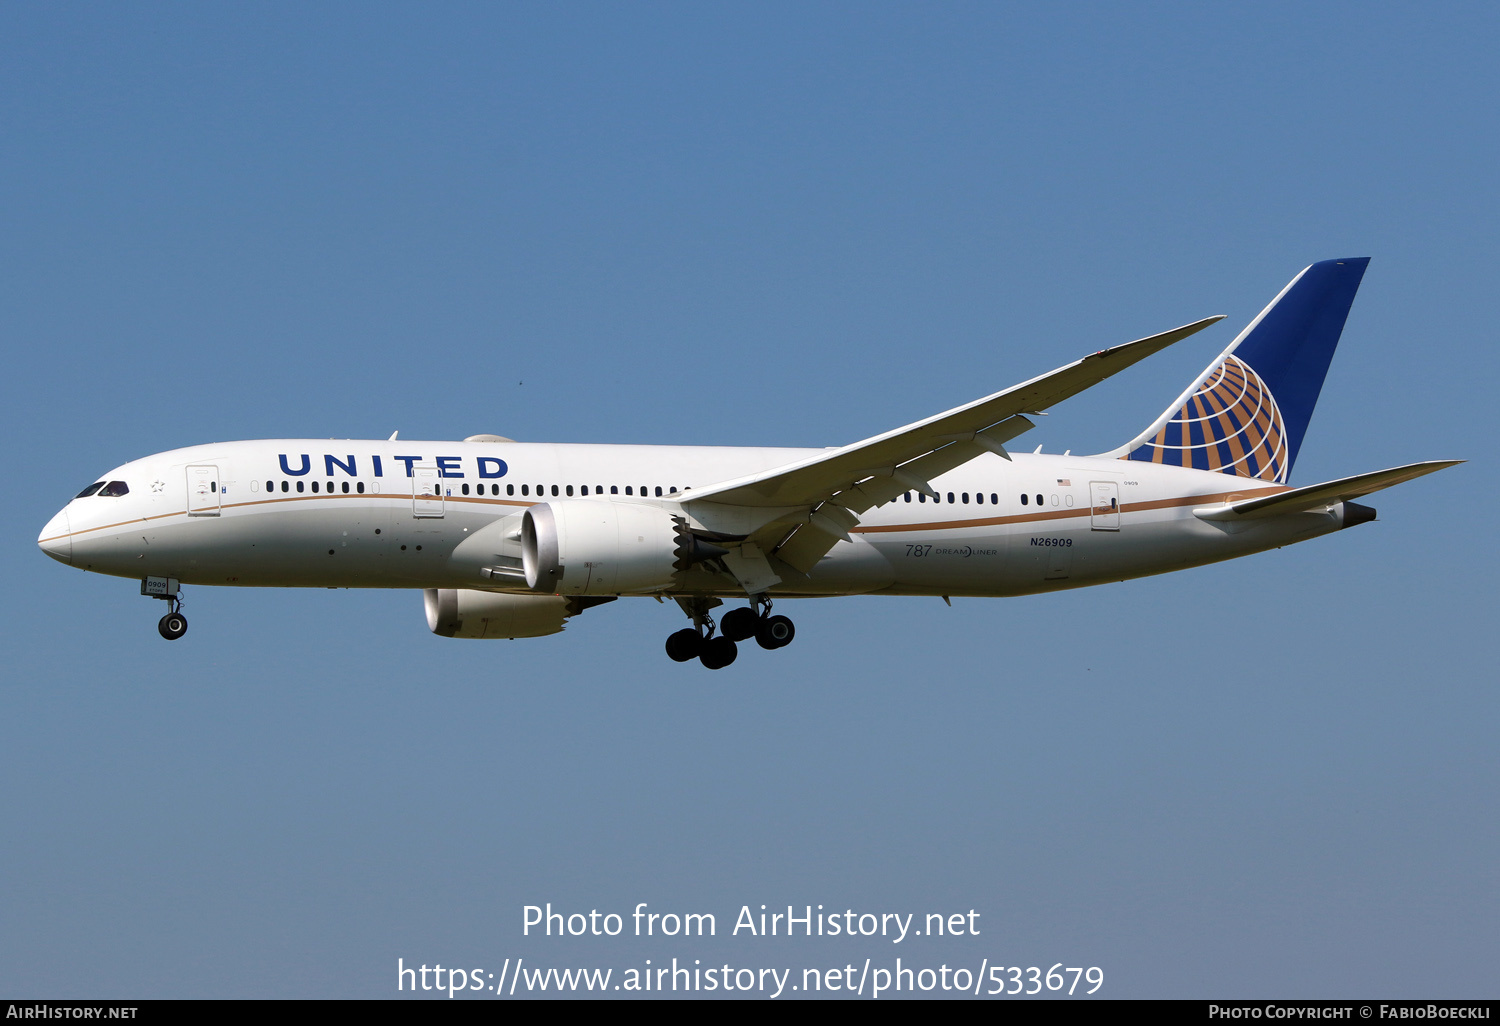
(770,224)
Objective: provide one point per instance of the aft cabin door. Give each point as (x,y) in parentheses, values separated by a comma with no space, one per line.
(426,492)
(204,488)
(1104,498)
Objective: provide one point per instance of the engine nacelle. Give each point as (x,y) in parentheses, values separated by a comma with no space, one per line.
(587,547)
(484,614)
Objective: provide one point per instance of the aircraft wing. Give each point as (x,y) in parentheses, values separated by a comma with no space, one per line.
(965,430)
(1319,496)
(845,482)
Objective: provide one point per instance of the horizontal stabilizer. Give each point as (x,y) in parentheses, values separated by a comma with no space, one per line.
(1320,496)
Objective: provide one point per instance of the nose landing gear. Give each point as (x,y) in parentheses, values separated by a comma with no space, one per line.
(174,624)
(741,624)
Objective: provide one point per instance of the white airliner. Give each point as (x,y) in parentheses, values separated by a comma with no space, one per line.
(509,539)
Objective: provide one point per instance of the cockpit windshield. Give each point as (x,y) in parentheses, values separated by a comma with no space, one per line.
(115,488)
(90,490)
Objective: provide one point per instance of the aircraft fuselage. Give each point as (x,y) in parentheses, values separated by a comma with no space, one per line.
(362,514)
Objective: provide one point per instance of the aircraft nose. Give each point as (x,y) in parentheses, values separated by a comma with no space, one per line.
(56,539)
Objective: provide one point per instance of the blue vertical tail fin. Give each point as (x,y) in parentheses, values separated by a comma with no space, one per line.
(1247,413)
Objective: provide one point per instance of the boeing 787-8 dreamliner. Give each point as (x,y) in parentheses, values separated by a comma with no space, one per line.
(510,539)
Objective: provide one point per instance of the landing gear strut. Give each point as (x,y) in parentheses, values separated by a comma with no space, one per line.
(741,624)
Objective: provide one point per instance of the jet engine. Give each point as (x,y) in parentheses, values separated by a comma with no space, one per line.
(588,547)
(484,614)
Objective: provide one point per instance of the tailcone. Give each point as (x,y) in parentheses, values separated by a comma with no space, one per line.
(1356,513)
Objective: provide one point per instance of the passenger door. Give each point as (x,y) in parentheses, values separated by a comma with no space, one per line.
(203,487)
(1104,505)
(426,492)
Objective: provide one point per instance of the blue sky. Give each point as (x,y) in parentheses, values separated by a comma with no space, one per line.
(769,224)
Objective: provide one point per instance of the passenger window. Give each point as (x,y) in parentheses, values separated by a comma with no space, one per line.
(908,496)
(921,496)
(284,486)
(570,489)
(270,486)
(965,497)
(345,489)
(614,489)
(1039,499)
(1025,499)
(554,490)
(511,489)
(315,486)
(115,489)
(994,499)
(360,487)
(330,487)
(299,486)
(465,488)
(90,490)
(628,491)
(673,489)
(979,498)
(658,491)
(526,489)
(598,489)
(950,497)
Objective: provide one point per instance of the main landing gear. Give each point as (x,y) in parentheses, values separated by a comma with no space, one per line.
(741,624)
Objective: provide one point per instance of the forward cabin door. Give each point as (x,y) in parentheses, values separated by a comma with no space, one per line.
(1104,502)
(203,489)
(426,492)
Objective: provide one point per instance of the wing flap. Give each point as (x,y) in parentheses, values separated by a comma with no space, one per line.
(807,544)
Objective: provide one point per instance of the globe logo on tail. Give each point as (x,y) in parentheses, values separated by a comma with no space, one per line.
(1231,424)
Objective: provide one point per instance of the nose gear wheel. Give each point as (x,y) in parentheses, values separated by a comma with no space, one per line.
(172,626)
